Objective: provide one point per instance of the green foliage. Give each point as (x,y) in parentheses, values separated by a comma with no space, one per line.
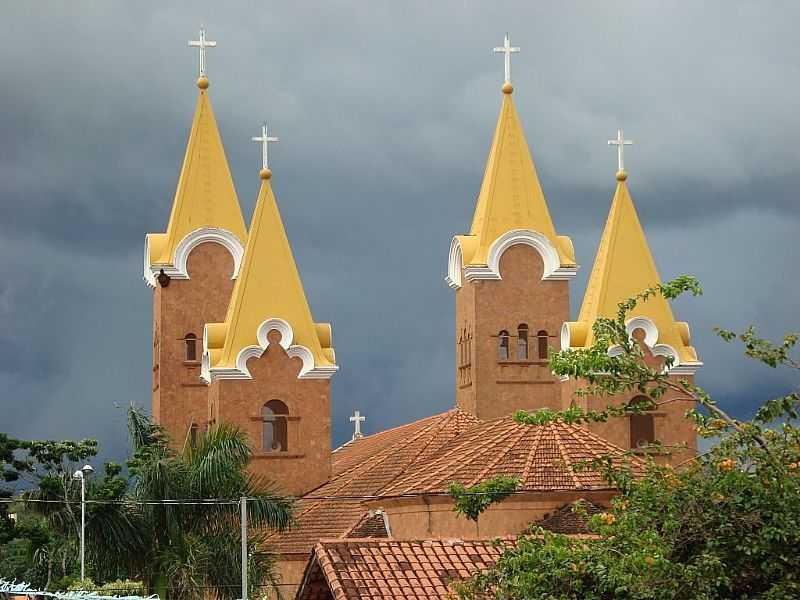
(118,587)
(472,501)
(184,550)
(187,549)
(40,545)
(725,525)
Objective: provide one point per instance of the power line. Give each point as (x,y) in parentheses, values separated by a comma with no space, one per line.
(232,502)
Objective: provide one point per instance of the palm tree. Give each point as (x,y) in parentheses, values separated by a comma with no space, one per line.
(190,550)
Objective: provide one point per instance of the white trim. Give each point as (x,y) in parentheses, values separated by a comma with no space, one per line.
(645,324)
(687,368)
(650,339)
(177,269)
(664,350)
(148,274)
(651,335)
(565,336)
(553,271)
(455,262)
(281,326)
(309,370)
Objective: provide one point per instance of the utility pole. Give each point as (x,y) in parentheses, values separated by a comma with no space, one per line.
(243,504)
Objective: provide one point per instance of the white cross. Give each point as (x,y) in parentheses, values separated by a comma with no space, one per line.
(265,140)
(620,142)
(357,419)
(507,49)
(202,43)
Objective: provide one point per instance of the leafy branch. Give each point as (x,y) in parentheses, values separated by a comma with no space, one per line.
(472,501)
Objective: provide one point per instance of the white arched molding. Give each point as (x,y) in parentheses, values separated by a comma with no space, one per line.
(553,271)
(309,370)
(455,262)
(650,339)
(646,325)
(178,270)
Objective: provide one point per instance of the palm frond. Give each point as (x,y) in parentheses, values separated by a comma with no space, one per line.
(217,462)
(142,430)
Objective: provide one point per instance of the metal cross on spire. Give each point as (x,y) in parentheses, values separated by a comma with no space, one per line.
(357,418)
(620,143)
(265,141)
(202,43)
(508,50)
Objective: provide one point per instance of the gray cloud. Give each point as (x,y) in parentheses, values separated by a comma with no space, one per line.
(385,113)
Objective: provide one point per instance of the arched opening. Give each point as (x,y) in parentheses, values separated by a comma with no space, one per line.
(193,432)
(642,425)
(544,350)
(275,434)
(522,342)
(190,340)
(502,345)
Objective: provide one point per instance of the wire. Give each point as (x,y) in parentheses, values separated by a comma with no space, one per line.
(232,502)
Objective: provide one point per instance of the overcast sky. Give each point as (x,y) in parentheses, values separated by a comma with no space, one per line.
(385,112)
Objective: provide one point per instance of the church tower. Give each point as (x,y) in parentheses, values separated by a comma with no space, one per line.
(191,268)
(624,267)
(511,278)
(268,363)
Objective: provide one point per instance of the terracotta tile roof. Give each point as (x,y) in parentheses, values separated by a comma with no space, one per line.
(365,467)
(371,525)
(567,520)
(541,456)
(397,569)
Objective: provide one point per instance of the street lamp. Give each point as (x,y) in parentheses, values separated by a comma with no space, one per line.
(82,474)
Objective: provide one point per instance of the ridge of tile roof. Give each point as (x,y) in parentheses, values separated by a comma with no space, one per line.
(351,569)
(371,525)
(365,467)
(540,456)
(567,520)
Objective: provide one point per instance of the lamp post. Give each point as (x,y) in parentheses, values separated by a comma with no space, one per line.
(82,474)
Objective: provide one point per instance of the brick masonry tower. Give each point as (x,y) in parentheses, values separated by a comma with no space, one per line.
(192,268)
(624,266)
(511,278)
(268,364)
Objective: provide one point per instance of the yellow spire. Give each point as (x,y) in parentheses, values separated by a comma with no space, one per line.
(268,294)
(623,268)
(511,197)
(205,198)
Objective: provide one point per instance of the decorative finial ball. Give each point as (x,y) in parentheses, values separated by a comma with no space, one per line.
(621,175)
(202,82)
(507,87)
(265,174)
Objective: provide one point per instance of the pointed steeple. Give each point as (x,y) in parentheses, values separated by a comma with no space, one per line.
(624,267)
(510,201)
(205,207)
(267,295)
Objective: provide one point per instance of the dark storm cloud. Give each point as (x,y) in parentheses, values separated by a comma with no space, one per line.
(385,113)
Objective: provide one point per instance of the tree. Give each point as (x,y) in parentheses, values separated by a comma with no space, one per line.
(726,525)
(153,525)
(42,544)
(185,548)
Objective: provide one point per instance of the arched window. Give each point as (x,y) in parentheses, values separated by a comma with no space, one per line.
(190,340)
(274,436)
(543,343)
(642,425)
(502,345)
(522,342)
